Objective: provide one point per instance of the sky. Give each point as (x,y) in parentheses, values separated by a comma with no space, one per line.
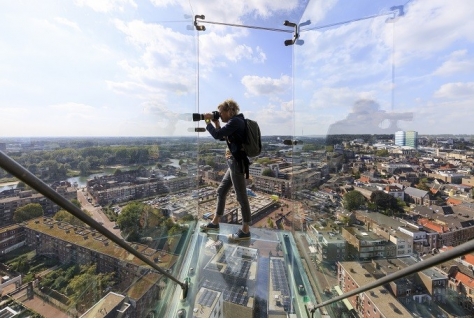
(139,68)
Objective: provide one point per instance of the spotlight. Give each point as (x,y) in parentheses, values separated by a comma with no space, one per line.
(295,34)
(199,27)
(304,24)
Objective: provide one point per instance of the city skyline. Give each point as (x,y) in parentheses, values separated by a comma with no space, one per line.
(129,68)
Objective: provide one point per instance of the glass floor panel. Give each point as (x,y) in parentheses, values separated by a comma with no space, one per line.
(261,277)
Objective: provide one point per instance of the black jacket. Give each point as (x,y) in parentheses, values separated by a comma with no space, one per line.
(235,132)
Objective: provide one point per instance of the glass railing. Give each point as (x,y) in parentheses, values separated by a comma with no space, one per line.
(356,101)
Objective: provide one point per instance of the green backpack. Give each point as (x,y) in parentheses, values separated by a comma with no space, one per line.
(253,142)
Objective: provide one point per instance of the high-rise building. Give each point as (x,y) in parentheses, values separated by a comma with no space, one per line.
(400,138)
(406,138)
(411,139)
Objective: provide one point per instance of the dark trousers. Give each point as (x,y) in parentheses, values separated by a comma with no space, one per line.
(233,177)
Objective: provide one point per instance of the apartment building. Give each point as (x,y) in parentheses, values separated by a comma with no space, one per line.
(8,205)
(272,185)
(83,245)
(107,190)
(364,244)
(461,279)
(394,191)
(375,303)
(409,237)
(451,177)
(432,280)
(330,246)
(391,300)
(11,237)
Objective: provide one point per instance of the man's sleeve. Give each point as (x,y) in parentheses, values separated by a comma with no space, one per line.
(224,131)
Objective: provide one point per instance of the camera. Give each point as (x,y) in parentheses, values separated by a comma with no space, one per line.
(198,117)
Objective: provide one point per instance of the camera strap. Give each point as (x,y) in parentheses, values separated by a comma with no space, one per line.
(242,160)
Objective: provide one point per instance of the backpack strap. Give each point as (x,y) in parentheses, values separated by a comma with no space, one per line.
(242,161)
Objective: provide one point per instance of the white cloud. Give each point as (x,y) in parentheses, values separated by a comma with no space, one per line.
(455,91)
(444,117)
(166,61)
(341,97)
(257,85)
(260,56)
(217,50)
(427,27)
(231,11)
(317,10)
(106,5)
(458,62)
(338,55)
(275,118)
(364,48)
(67,23)
(73,107)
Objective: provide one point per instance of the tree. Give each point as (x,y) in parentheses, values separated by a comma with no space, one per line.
(267,172)
(309,147)
(76,202)
(382,153)
(129,219)
(209,160)
(188,218)
(21,185)
(175,230)
(79,288)
(383,200)
(27,212)
(270,222)
(401,203)
(423,184)
(353,200)
(67,217)
(84,167)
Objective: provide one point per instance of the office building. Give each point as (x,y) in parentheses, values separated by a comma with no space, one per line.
(406,138)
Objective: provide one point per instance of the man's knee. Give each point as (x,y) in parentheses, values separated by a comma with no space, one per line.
(221,191)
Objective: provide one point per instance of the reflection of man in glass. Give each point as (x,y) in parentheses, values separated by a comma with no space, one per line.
(367,118)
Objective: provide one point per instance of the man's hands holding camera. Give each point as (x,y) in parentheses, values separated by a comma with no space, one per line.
(208,117)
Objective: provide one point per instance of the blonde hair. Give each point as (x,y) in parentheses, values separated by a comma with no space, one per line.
(229,105)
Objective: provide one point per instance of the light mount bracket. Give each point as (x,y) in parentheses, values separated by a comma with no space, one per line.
(296,33)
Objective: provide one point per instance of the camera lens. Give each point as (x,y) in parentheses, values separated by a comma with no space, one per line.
(198,117)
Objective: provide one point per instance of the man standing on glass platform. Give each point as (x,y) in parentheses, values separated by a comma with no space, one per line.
(233,132)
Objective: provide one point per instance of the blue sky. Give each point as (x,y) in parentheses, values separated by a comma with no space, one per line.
(132,68)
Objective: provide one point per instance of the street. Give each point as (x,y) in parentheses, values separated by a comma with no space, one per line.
(320,280)
(96,212)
